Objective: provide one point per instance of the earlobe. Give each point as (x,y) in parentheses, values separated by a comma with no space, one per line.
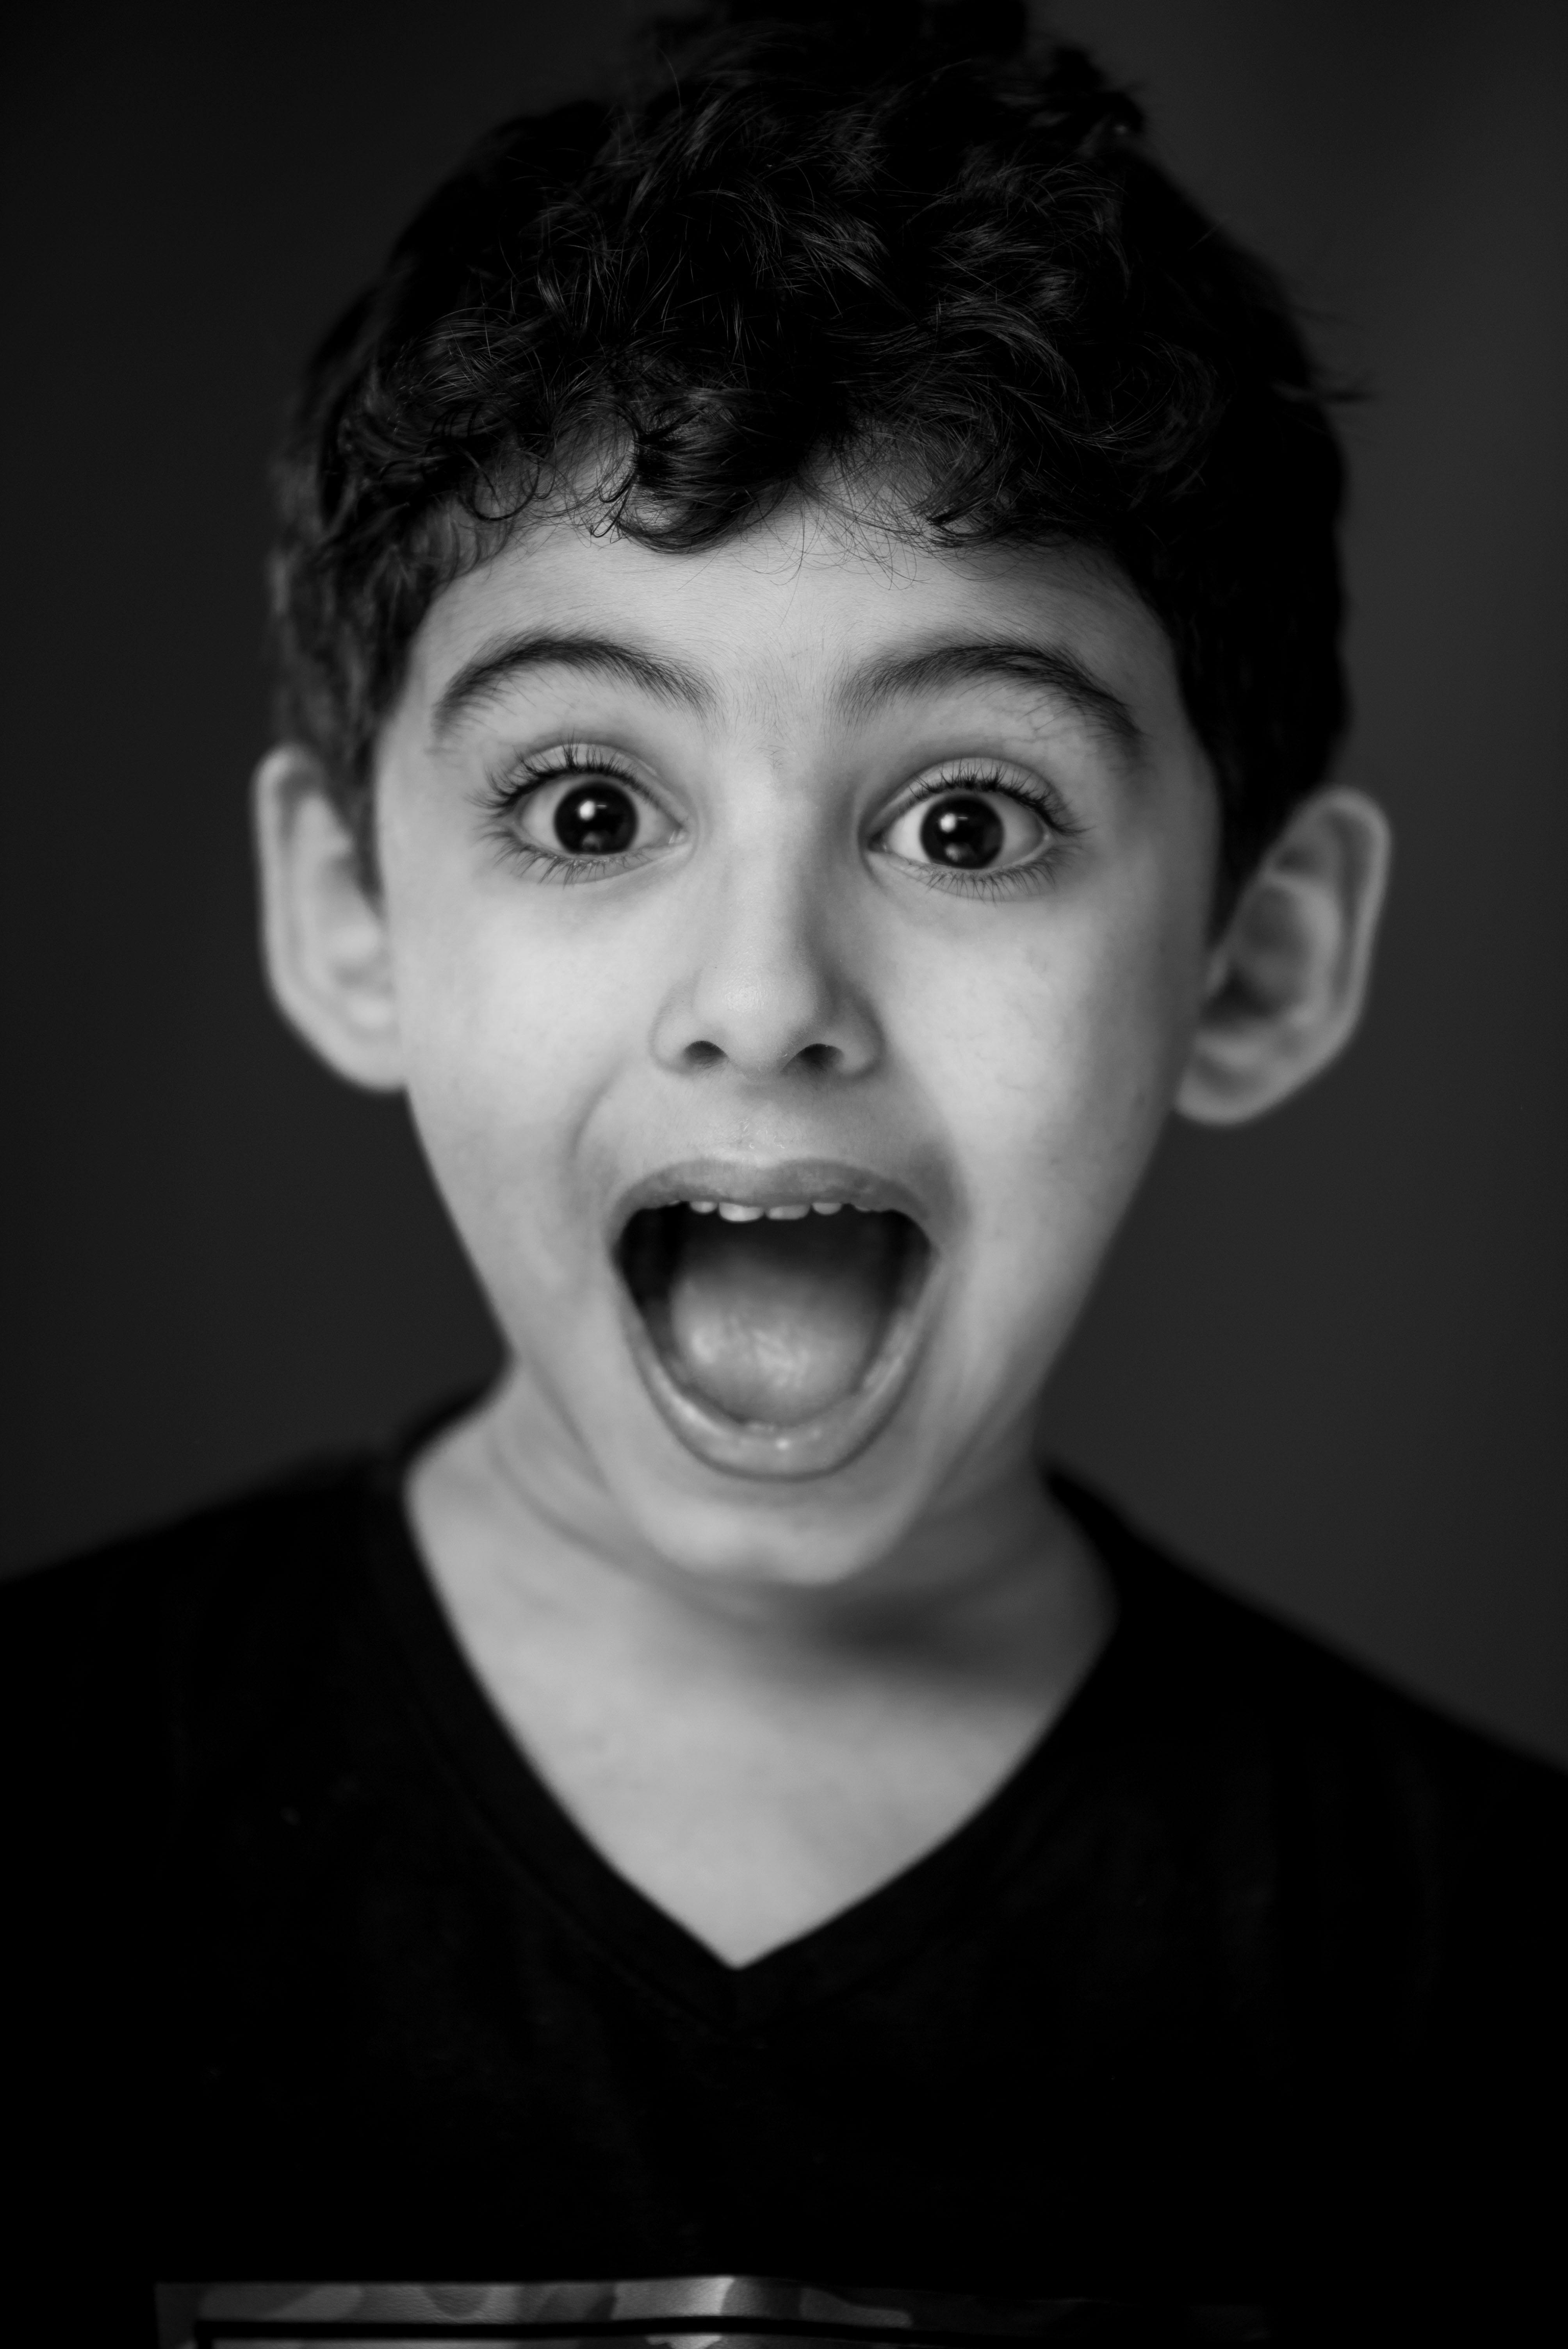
(1288,981)
(323,937)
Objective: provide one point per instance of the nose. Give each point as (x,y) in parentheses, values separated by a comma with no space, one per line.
(768,980)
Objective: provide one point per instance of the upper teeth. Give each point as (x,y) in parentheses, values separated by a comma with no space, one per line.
(733,1212)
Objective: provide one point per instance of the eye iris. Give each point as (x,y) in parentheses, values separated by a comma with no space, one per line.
(599,820)
(968,832)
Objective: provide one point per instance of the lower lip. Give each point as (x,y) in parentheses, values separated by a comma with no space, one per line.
(814,1448)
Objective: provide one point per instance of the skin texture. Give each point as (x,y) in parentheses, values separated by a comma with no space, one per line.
(760,1696)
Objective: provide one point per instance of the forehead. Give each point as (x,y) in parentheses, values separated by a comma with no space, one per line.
(802,616)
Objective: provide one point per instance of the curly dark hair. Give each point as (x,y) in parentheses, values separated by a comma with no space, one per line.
(890,255)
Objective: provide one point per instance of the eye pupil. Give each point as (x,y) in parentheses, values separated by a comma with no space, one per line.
(599,820)
(968,832)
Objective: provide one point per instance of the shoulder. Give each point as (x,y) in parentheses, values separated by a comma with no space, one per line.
(115,1644)
(144,1685)
(179,1561)
(1271,1716)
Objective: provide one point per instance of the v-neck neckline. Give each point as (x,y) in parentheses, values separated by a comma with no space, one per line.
(491,1774)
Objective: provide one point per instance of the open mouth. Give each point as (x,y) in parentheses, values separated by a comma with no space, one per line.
(788,1323)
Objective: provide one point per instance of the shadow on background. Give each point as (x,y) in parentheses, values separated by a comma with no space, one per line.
(1329,1355)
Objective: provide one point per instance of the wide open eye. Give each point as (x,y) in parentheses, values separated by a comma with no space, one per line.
(969,832)
(586,815)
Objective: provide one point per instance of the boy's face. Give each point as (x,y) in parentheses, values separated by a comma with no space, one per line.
(800,874)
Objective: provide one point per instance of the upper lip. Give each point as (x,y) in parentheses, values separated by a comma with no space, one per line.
(781,1183)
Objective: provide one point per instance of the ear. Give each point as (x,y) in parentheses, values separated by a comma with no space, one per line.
(323,937)
(1288,980)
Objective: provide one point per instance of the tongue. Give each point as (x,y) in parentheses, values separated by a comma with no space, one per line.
(779,1321)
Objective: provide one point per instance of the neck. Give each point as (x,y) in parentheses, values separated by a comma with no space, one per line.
(755,1760)
(999,1583)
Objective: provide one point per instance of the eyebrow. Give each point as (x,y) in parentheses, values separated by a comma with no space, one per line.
(935,668)
(1044,669)
(494,666)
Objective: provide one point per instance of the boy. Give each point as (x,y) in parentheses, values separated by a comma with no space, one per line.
(808,625)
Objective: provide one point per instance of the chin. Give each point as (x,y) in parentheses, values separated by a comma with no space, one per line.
(822,1536)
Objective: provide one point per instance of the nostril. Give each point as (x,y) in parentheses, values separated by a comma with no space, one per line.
(821,1058)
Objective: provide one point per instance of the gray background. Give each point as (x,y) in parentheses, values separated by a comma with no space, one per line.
(1329,1356)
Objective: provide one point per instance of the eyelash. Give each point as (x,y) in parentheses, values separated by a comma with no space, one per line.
(507,794)
(1016,881)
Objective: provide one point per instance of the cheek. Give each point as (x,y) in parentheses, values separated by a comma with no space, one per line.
(1053,1069)
(510,1031)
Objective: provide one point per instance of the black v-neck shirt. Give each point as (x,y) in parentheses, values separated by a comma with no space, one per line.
(1247,1986)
